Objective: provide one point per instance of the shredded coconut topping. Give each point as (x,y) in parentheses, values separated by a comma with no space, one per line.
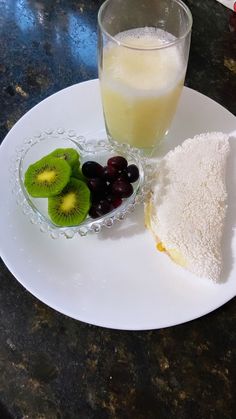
(188,204)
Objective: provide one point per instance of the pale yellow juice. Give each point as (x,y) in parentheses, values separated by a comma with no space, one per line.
(141,86)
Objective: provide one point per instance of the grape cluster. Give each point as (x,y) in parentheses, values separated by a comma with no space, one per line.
(110,184)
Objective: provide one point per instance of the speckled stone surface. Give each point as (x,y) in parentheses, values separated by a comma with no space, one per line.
(52,366)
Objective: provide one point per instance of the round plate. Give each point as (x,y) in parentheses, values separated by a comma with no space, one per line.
(115,279)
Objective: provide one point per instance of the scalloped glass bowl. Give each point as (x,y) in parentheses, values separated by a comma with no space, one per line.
(99,150)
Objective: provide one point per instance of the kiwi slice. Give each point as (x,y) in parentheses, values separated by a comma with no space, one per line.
(71,206)
(47,177)
(70,155)
(77,172)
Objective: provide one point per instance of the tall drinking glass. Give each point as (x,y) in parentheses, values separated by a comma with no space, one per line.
(143,56)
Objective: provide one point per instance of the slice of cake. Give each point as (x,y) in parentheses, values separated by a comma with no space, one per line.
(187,207)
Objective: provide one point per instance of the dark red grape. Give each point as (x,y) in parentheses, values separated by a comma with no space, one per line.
(122,189)
(92,169)
(98,187)
(110,197)
(100,208)
(123,176)
(132,173)
(93,212)
(119,162)
(116,202)
(110,173)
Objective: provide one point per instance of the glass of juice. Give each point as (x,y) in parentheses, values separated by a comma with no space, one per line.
(143,56)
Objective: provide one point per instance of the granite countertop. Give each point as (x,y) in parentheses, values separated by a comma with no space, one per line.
(52,366)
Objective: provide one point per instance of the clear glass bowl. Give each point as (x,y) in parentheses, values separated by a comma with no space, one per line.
(98,150)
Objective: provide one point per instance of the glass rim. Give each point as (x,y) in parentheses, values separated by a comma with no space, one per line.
(158,47)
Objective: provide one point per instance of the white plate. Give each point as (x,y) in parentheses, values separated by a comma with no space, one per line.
(115,279)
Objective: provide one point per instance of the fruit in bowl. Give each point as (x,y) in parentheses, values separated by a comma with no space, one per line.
(108,184)
(75,191)
(102,182)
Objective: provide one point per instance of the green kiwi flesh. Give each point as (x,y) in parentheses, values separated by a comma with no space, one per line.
(77,172)
(47,177)
(70,155)
(71,206)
